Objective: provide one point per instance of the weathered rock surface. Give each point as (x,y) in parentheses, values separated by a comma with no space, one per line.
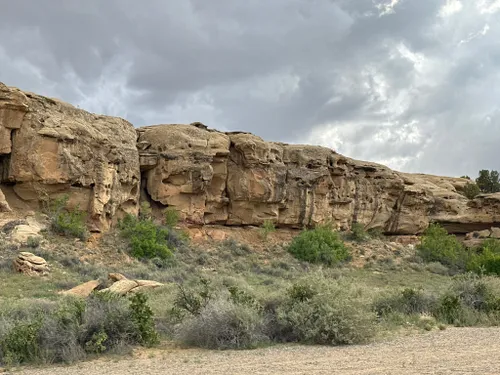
(240,179)
(4,206)
(48,147)
(83,290)
(30,264)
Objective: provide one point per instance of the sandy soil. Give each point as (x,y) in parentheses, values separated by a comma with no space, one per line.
(453,351)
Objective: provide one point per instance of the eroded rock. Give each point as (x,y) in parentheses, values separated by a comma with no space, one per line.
(31,265)
(52,148)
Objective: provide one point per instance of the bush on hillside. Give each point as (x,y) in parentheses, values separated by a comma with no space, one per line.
(438,246)
(147,239)
(64,221)
(319,245)
(471,190)
(486,258)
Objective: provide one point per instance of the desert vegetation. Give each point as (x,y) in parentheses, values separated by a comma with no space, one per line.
(230,296)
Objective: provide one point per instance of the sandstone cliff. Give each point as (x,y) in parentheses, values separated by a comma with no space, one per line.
(239,179)
(48,147)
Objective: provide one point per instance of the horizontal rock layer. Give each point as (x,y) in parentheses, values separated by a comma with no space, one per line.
(49,148)
(239,179)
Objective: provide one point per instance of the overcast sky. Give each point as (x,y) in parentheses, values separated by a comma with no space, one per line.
(413,84)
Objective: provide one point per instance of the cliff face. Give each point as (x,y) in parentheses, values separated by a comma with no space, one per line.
(48,147)
(239,179)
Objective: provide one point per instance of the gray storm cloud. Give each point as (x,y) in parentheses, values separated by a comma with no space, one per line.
(413,84)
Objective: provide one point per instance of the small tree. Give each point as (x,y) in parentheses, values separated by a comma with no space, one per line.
(471,190)
(488,181)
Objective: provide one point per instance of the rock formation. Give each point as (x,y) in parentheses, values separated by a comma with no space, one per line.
(31,265)
(239,179)
(48,147)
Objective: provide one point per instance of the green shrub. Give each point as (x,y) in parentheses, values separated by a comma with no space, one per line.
(142,315)
(267,228)
(408,301)
(71,223)
(171,217)
(147,240)
(21,344)
(33,242)
(69,330)
(358,233)
(469,301)
(471,190)
(320,245)
(486,258)
(438,246)
(193,300)
(331,317)
(223,324)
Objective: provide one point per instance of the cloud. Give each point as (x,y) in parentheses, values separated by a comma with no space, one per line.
(413,84)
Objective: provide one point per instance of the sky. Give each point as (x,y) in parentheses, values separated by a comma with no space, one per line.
(412,84)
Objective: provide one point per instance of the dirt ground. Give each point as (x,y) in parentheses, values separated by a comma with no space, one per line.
(453,351)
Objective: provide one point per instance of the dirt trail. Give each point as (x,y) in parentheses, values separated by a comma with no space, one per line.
(453,351)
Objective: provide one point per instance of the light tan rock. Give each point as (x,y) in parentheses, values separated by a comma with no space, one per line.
(4,205)
(121,287)
(240,179)
(31,265)
(83,290)
(148,283)
(56,149)
(116,277)
(495,232)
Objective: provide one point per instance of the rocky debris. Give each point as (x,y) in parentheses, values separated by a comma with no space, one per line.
(48,148)
(493,232)
(31,265)
(119,285)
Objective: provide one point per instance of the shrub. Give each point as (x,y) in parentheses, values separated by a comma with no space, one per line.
(358,233)
(194,300)
(267,228)
(320,245)
(171,217)
(66,222)
(332,317)
(142,315)
(471,190)
(147,240)
(223,324)
(486,258)
(408,301)
(33,242)
(71,329)
(438,246)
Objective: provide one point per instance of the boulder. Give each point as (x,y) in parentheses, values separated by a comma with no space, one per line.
(83,290)
(49,148)
(30,264)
